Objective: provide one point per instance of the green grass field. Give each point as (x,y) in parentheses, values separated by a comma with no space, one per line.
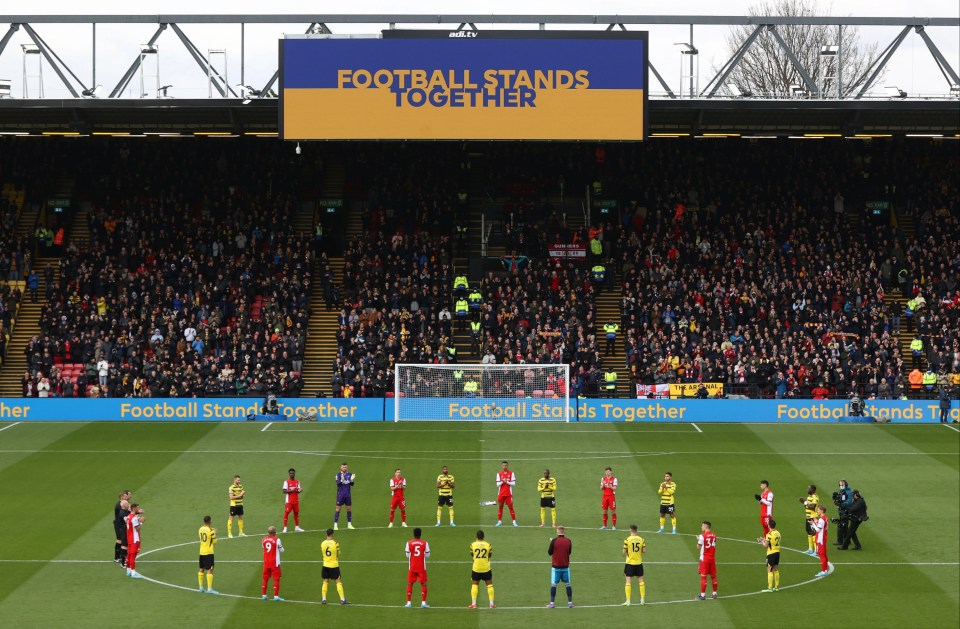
(59,483)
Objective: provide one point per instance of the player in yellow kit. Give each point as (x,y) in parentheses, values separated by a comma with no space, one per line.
(772,543)
(810,512)
(445,485)
(666,491)
(208,539)
(547,487)
(633,548)
(481,551)
(236,493)
(330,550)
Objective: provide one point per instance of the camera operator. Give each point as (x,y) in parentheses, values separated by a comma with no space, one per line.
(843,499)
(856,405)
(857,515)
(270,405)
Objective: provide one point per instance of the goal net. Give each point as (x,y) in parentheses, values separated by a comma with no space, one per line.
(482,392)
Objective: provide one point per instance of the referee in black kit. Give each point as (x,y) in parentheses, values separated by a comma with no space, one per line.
(120,511)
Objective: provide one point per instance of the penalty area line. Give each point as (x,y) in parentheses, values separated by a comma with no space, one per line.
(10,426)
(947,425)
(695,426)
(264,429)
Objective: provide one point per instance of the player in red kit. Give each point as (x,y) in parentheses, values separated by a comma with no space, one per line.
(608,502)
(765,498)
(505,482)
(819,526)
(397,484)
(291,494)
(417,552)
(707,543)
(134,522)
(272,547)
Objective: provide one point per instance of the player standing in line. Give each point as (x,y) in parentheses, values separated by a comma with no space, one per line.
(560,549)
(208,539)
(445,485)
(291,490)
(236,494)
(810,511)
(765,498)
(608,501)
(397,484)
(481,551)
(633,548)
(547,487)
(772,543)
(134,521)
(819,526)
(417,552)
(506,479)
(120,512)
(668,505)
(330,549)
(272,547)
(344,481)
(707,543)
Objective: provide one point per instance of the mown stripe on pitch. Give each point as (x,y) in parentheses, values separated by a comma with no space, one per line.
(883,536)
(52,501)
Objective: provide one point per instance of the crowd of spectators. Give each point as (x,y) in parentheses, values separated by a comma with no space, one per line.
(194,282)
(749,272)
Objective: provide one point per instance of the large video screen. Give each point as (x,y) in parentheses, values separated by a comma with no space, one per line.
(465,85)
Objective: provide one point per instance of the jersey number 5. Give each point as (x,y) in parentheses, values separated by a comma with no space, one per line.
(416,551)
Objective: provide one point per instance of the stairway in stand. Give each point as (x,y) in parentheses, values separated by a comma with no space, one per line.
(608,309)
(907,226)
(321,346)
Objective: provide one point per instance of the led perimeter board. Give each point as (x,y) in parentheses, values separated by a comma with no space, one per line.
(465,85)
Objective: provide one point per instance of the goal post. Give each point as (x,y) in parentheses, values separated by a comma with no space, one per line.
(481,392)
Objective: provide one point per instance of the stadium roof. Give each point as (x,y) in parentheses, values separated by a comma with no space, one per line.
(676,116)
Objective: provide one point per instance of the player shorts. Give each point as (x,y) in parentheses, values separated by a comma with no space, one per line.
(329,573)
(236,510)
(809,529)
(133,547)
(206,562)
(444,501)
(559,575)
(505,500)
(481,576)
(291,506)
(344,501)
(414,576)
(773,559)
(631,570)
(121,530)
(708,567)
(608,503)
(548,503)
(667,510)
(271,572)
(398,503)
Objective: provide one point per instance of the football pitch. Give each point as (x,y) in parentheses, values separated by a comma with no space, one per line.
(59,482)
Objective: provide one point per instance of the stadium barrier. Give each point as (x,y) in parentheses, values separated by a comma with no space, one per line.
(465,409)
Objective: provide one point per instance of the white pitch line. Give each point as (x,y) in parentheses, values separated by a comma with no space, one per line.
(10,426)
(695,426)
(531,563)
(947,425)
(765,453)
(264,429)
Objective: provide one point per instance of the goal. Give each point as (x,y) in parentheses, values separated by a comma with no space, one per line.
(482,392)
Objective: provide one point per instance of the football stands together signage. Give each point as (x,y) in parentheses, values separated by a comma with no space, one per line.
(467,409)
(480,85)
